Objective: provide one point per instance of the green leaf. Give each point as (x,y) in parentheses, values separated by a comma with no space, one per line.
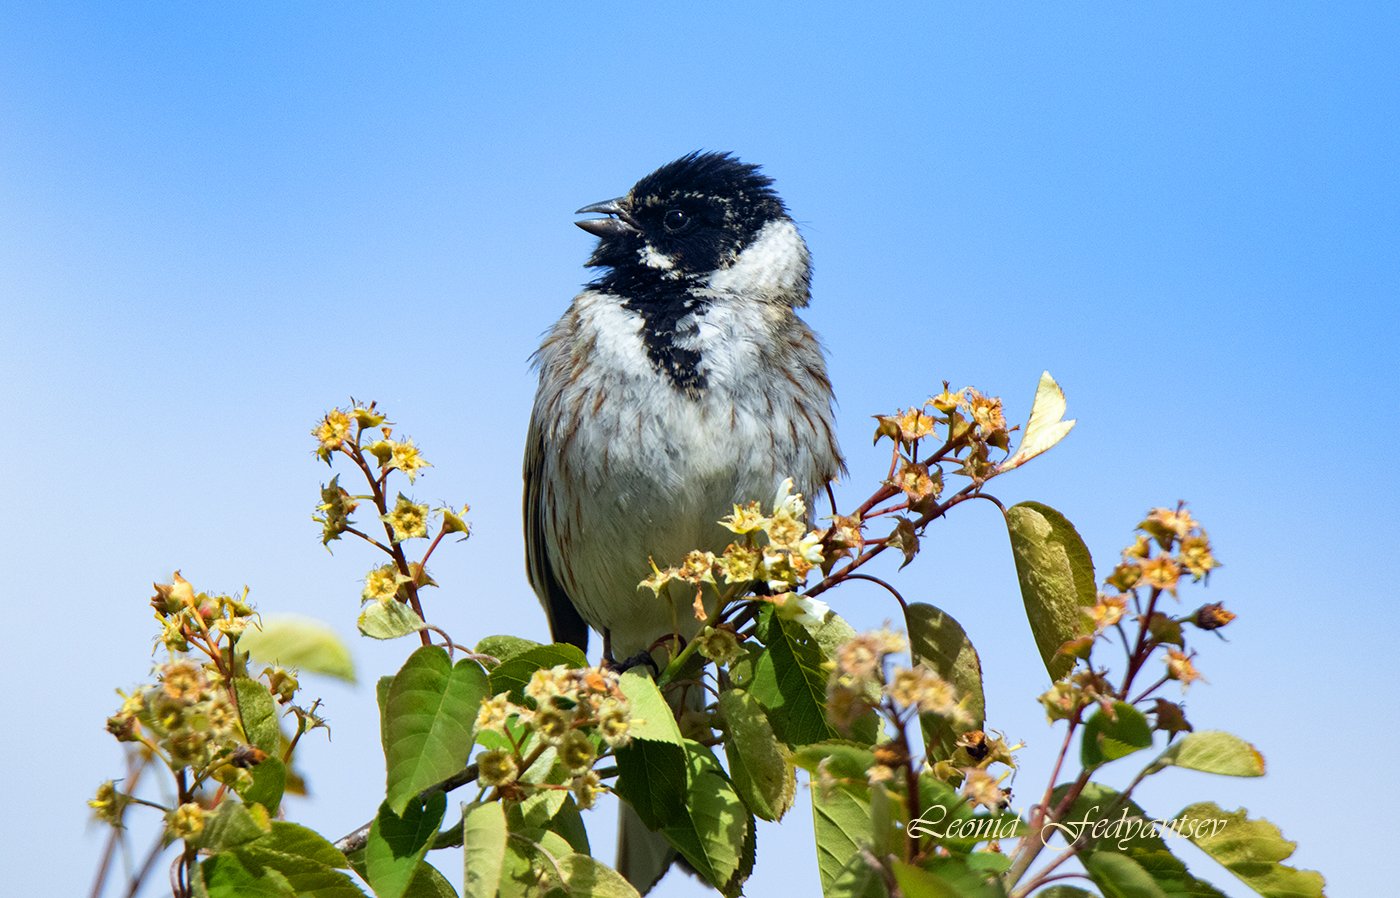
(430,713)
(308,862)
(944,877)
(230,825)
(1045,427)
(538,809)
(1110,736)
(844,759)
(1056,576)
(585,877)
(712,827)
(1127,832)
(651,778)
(258,715)
(1119,876)
(1212,751)
(790,682)
(398,842)
(760,773)
(940,641)
(483,848)
(512,675)
(388,620)
(1059,891)
(652,775)
(225,876)
(568,823)
(306,644)
(1253,850)
(268,783)
(428,882)
(503,648)
(651,716)
(841,825)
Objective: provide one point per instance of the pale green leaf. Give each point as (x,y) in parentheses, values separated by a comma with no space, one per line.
(585,877)
(1213,751)
(651,717)
(226,876)
(1045,428)
(841,825)
(1253,850)
(388,620)
(484,848)
(303,643)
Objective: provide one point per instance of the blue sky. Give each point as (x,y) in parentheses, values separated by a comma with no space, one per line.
(219,222)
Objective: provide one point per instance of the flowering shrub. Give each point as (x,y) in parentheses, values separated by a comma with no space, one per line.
(909,782)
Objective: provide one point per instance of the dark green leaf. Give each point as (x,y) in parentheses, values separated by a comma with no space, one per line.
(1119,876)
(428,882)
(268,783)
(225,876)
(941,642)
(1057,579)
(1253,850)
(1124,830)
(308,862)
(568,823)
(1110,736)
(712,827)
(651,777)
(430,712)
(790,682)
(397,844)
(512,675)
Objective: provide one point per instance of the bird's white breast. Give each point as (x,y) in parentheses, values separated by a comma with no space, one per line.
(646,471)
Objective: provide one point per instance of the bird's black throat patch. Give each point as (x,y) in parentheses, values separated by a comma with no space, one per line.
(668,308)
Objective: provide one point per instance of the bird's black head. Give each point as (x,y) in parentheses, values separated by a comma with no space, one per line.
(687,219)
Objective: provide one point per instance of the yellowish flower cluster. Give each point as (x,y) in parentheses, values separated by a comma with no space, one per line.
(570,710)
(188,717)
(775,548)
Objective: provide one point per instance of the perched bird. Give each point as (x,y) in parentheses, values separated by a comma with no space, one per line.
(678,383)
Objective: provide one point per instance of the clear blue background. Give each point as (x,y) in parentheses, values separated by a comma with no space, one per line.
(216,223)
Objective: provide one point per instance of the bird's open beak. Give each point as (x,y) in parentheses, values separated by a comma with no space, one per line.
(620,222)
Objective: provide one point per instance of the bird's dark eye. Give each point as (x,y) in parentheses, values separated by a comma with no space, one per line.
(675,220)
